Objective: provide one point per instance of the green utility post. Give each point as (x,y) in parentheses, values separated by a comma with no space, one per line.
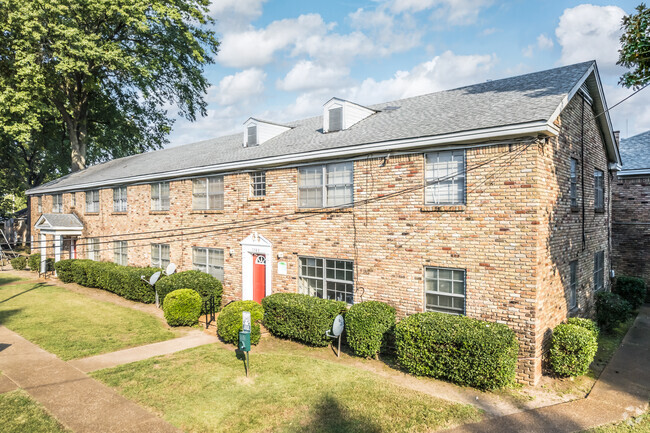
(245,338)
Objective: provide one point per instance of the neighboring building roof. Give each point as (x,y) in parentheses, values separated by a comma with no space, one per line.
(635,152)
(523,105)
(59,221)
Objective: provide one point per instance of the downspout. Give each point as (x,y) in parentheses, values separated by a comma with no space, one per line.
(582,167)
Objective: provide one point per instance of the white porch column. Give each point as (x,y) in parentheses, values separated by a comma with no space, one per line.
(43,252)
(57,248)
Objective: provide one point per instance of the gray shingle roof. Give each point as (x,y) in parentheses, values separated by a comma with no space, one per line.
(635,152)
(510,101)
(61,220)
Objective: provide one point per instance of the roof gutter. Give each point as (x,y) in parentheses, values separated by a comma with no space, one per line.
(540,127)
(634,172)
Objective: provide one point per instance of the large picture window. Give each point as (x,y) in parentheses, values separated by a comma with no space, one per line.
(120,253)
(327,278)
(208,260)
(160,255)
(92,201)
(160,196)
(445,177)
(444,290)
(207,193)
(327,185)
(119,199)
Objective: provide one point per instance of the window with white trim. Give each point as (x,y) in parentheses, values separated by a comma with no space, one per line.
(599,190)
(327,278)
(258,184)
(92,249)
(92,201)
(573,284)
(40,204)
(335,119)
(251,136)
(120,253)
(208,260)
(328,185)
(119,199)
(160,255)
(160,196)
(599,270)
(445,177)
(444,290)
(573,192)
(57,203)
(207,193)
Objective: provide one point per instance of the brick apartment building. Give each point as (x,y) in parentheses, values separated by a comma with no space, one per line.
(631,209)
(491,200)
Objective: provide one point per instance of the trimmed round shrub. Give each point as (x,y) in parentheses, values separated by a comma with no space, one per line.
(182,307)
(205,284)
(573,349)
(229,321)
(302,318)
(63,270)
(632,289)
(585,323)
(368,326)
(611,309)
(19,263)
(34,262)
(459,349)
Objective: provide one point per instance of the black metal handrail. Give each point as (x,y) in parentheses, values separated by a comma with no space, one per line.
(48,269)
(209,310)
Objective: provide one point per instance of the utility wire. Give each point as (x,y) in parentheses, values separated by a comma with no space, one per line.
(623,100)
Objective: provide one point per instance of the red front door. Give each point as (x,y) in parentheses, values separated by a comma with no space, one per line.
(259,277)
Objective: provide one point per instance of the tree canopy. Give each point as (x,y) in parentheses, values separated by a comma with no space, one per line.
(82,81)
(634,53)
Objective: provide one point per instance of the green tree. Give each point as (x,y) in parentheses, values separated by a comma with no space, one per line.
(634,53)
(103,70)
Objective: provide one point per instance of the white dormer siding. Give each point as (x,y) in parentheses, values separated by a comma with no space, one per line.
(339,114)
(258,131)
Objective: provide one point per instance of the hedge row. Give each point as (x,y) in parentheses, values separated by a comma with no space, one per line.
(460,349)
(204,284)
(369,327)
(34,263)
(632,289)
(611,309)
(301,317)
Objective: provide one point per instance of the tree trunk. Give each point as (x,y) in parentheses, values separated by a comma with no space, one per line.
(78,149)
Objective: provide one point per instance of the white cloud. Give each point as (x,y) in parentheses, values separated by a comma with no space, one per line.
(238,88)
(232,14)
(452,11)
(387,32)
(544,42)
(588,32)
(307,75)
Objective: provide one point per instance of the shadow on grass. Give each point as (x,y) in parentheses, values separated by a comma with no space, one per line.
(4,315)
(8,280)
(37,286)
(330,416)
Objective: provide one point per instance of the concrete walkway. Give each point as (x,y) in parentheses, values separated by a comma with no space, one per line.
(622,391)
(193,338)
(77,401)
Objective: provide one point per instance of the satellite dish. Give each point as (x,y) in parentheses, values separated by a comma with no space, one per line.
(154,278)
(171,268)
(337,327)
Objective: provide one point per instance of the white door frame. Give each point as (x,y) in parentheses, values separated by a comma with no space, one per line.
(255,244)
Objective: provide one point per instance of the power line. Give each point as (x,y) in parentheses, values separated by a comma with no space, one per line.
(623,100)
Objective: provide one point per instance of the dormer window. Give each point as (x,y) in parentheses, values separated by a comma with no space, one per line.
(257,132)
(339,114)
(251,139)
(336,119)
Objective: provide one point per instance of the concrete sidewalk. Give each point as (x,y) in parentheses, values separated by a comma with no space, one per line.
(622,391)
(77,401)
(194,338)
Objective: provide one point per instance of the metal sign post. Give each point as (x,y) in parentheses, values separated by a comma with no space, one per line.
(245,338)
(337,331)
(152,282)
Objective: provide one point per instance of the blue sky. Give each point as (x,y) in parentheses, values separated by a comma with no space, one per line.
(282,60)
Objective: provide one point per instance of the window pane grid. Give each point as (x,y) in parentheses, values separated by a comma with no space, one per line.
(120,255)
(119,199)
(92,201)
(573,284)
(57,203)
(93,249)
(599,190)
(258,184)
(327,278)
(444,290)
(574,183)
(445,177)
(160,196)
(209,260)
(599,270)
(160,255)
(208,193)
(326,185)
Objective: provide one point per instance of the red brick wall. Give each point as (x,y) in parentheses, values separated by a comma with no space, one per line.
(631,226)
(508,237)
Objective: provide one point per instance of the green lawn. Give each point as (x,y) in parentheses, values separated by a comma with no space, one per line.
(608,343)
(205,390)
(72,325)
(21,414)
